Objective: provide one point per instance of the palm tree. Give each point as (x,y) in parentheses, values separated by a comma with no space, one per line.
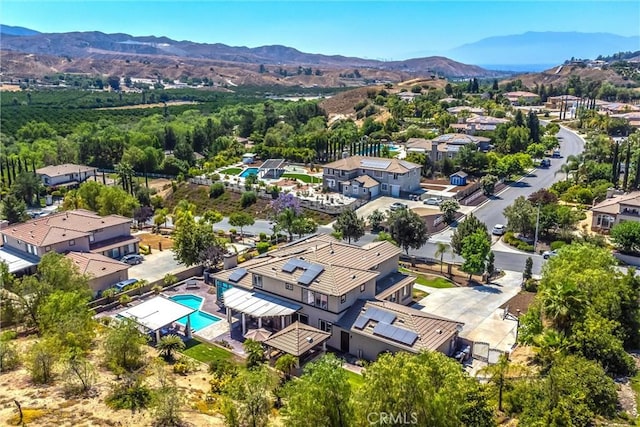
(441,249)
(125,173)
(561,303)
(184,208)
(565,169)
(500,373)
(160,218)
(255,352)
(286,363)
(168,345)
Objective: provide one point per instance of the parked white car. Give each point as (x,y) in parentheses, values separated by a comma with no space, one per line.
(549,254)
(498,230)
(397,206)
(432,201)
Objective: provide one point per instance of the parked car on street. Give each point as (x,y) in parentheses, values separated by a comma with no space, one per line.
(545,163)
(549,254)
(432,201)
(498,230)
(397,206)
(132,259)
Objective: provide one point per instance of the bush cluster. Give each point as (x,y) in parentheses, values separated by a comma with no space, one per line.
(512,240)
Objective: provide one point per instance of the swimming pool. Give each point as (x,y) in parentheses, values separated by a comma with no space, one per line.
(199,319)
(249,171)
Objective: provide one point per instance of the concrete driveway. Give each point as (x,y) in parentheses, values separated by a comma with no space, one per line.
(478,308)
(382,204)
(155,266)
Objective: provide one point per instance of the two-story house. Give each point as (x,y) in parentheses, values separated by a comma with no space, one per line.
(67,175)
(77,230)
(615,209)
(368,177)
(327,284)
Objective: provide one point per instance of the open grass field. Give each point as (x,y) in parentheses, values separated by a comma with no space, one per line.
(204,352)
(302,177)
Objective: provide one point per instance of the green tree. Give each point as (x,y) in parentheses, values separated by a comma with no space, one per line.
(195,242)
(428,387)
(488,183)
(626,236)
(303,225)
(248,398)
(254,351)
(166,404)
(501,373)
(449,209)
(41,360)
(28,186)
(521,216)
(168,345)
(349,225)
(14,209)
(113,200)
(528,269)
(408,229)
(475,249)
(375,220)
(79,373)
(441,249)
(66,316)
(466,228)
(241,220)
(320,397)
(123,346)
(490,268)
(285,364)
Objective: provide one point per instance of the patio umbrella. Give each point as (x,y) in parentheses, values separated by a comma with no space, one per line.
(257,334)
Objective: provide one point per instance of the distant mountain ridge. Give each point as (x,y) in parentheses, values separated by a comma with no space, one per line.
(541,48)
(17,31)
(99,45)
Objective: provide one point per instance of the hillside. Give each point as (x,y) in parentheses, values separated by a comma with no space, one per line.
(81,46)
(561,74)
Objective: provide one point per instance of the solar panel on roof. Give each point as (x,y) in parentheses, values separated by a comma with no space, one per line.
(378,315)
(394,333)
(310,274)
(376,164)
(361,322)
(237,275)
(294,263)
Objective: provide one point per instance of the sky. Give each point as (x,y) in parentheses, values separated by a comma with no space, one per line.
(378,30)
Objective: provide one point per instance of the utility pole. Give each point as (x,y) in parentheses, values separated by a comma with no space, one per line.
(535,239)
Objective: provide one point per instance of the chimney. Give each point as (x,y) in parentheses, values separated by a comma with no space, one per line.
(230,261)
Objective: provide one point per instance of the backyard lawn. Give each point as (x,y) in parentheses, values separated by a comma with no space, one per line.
(418,294)
(355,380)
(432,282)
(230,171)
(205,352)
(303,177)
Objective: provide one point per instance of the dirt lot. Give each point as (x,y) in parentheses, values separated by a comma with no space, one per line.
(48,405)
(153,240)
(156,105)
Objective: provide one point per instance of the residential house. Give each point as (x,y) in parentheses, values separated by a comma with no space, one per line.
(518,97)
(617,108)
(473,124)
(615,209)
(355,294)
(408,96)
(447,145)
(632,118)
(356,176)
(103,272)
(66,175)
(77,230)
(471,110)
(558,102)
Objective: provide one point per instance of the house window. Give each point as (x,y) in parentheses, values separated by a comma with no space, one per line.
(405,291)
(377,174)
(257,281)
(302,318)
(362,288)
(393,297)
(19,242)
(72,242)
(323,325)
(4,238)
(322,301)
(308,297)
(288,286)
(395,176)
(331,183)
(605,221)
(364,191)
(343,298)
(47,248)
(383,187)
(91,237)
(342,173)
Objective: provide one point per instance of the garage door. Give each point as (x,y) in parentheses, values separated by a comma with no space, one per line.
(395,191)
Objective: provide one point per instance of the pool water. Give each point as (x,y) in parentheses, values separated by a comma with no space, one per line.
(199,319)
(249,171)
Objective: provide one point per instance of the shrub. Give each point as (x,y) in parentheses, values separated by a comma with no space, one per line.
(263,247)
(9,358)
(531,285)
(8,335)
(130,394)
(170,279)
(263,237)
(157,289)
(124,299)
(216,190)
(215,177)
(557,244)
(221,367)
(523,246)
(248,198)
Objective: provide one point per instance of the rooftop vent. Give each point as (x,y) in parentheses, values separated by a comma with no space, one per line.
(438,331)
(309,339)
(353,276)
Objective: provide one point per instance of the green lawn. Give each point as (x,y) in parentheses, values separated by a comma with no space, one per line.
(230,171)
(435,282)
(418,294)
(354,379)
(205,352)
(303,177)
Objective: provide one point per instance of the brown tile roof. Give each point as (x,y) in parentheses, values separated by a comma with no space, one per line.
(65,169)
(612,205)
(355,162)
(61,227)
(433,331)
(519,93)
(96,265)
(367,181)
(460,138)
(297,338)
(425,144)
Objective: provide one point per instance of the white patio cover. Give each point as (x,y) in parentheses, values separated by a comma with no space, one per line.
(256,304)
(16,260)
(156,313)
